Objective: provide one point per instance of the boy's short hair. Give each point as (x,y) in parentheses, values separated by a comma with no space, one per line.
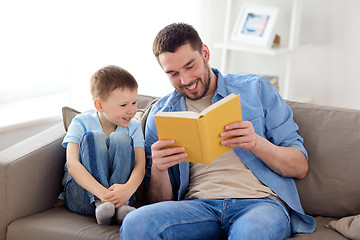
(175,35)
(109,78)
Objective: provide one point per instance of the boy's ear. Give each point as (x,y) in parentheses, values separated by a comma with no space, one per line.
(98,105)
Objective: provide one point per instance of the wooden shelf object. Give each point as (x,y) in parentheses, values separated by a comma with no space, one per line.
(288,50)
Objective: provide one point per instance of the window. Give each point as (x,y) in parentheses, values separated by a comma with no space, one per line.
(51,48)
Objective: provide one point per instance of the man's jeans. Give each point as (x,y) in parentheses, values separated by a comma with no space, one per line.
(109,159)
(265,218)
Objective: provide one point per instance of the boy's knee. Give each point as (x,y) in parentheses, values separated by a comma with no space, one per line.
(93,135)
(120,139)
(91,138)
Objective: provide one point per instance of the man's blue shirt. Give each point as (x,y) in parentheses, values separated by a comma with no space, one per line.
(272,119)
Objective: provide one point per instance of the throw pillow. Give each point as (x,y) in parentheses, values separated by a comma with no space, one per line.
(347,226)
(68,114)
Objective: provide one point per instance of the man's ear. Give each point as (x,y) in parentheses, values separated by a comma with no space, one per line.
(98,105)
(206,52)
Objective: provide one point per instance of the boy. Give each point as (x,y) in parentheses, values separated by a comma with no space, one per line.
(105,150)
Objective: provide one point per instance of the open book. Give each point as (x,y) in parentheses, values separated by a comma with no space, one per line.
(199,134)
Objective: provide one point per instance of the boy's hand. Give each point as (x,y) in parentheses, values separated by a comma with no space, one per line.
(104,193)
(118,195)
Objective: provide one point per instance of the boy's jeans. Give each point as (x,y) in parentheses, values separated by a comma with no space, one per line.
(265,218)
(109,159)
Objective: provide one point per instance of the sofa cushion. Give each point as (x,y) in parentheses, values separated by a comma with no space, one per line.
(332,139)
(58,224)
(68,114)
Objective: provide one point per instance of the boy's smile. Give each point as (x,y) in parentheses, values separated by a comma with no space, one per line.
(118,109)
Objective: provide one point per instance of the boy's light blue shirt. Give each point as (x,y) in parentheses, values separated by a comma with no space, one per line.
(86,122)
(272,119)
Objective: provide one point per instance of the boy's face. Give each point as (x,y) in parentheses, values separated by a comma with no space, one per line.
(119,108)
(188,71)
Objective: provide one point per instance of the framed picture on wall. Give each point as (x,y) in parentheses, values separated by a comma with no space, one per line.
(255,25)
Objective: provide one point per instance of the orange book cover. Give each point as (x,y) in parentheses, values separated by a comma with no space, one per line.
(199,133)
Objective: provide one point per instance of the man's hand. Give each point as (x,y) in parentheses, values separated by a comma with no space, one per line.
(242,135)
(163,157)
(286,161)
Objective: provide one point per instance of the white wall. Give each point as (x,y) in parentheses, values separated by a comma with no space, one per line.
(79,40)
(49,50)
(124,37)
(327,73)
(332,76)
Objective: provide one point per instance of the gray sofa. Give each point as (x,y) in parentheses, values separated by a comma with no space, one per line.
(31,173)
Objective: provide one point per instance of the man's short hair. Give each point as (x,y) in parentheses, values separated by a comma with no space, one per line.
(175,35)
(109,78)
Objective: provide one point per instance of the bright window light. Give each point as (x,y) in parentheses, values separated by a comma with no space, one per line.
(49,50)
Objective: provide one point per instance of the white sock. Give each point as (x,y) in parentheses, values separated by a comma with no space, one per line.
(122,211)
(104,212)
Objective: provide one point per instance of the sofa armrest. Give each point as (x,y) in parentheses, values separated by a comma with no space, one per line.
(30,176)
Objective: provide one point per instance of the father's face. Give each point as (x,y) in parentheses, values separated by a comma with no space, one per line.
(188,71)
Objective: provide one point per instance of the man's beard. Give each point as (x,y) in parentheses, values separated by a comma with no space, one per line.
(206,84)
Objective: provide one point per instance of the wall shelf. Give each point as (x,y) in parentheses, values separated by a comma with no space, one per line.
(293,45)
(253,49)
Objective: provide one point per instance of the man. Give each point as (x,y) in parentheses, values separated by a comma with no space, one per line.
(247,193)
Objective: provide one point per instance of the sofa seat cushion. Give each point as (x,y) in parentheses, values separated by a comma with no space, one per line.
(321,232)
(58,224)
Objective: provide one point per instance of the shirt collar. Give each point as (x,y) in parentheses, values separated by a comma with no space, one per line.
(220,91)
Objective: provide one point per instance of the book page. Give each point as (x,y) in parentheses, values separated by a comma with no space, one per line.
(218,103)
(185,114)
(213,123)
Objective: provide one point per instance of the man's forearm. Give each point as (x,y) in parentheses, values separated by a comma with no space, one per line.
(159,188)
(286,161)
